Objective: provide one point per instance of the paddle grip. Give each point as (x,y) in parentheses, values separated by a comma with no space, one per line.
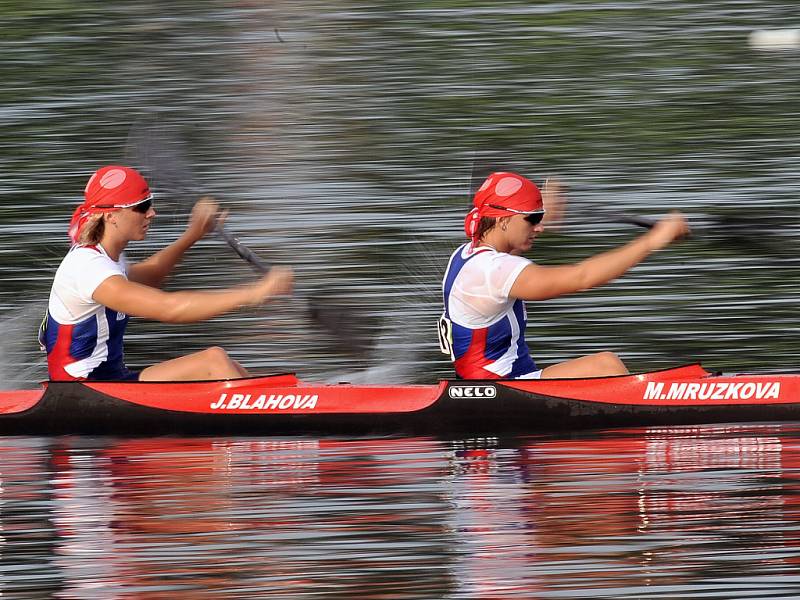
(646,223)
(638,221)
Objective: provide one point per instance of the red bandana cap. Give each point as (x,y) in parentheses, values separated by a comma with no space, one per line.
(110,188)
(501,195)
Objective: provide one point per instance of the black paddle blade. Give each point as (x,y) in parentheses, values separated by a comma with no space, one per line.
(157,150)
(350,330)
(758,232)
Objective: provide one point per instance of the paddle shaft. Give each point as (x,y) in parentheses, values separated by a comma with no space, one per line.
(243,251)
(339,320)
(636,220)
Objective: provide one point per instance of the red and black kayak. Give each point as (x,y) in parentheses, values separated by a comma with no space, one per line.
(282,404)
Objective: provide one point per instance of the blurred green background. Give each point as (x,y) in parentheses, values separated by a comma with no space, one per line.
(343,135)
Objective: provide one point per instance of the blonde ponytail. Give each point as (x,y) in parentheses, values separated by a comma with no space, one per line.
(92,231)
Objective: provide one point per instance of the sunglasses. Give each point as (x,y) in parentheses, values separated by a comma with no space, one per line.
(142,207)
(534,218)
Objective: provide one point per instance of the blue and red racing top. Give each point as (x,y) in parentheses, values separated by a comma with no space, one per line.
(84,339)
(482,328)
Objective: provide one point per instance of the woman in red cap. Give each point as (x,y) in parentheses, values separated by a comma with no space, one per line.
(95,289)
(487,282)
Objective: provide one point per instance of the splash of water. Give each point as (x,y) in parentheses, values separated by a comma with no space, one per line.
(22,364)
(408,350)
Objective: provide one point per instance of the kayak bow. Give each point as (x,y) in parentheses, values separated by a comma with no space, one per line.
(282,404)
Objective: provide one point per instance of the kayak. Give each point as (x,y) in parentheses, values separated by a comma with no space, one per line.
(283,404)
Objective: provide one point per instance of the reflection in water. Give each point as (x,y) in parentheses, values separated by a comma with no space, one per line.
(636,513)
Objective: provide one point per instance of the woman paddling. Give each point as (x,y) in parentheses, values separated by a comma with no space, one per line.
(486,283)
(95,290)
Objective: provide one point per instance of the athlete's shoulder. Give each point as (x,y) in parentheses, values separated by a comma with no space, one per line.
(91,257)
(81,254)
(83,269)
(471,250)
(487,255)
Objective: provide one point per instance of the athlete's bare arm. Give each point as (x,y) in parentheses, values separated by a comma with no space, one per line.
(139,300)
(541,282)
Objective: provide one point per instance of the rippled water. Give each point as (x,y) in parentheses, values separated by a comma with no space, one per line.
(652,513)
(343,137)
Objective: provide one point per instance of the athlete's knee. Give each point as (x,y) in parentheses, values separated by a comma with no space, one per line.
(608,357)
(217,355)
(611,362)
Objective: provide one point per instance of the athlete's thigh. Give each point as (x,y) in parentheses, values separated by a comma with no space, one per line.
(592,365)
(185,368)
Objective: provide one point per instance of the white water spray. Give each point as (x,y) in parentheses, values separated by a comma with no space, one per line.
(22,364)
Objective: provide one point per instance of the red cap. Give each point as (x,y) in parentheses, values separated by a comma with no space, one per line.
(115,187)
(507,191)
(109,189)
(502,194)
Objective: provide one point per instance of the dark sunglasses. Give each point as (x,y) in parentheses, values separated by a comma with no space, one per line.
(142,207)
(534,218)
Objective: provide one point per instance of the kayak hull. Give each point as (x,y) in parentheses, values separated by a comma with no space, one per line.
(285,406)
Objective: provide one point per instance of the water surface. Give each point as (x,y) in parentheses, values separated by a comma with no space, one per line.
(649,513)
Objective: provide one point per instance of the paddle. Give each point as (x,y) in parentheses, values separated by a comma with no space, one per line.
(738,230)
(159,151)
(636,220)
(481,169)
(726,232)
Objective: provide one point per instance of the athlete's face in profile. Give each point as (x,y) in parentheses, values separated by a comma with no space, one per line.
(132,224)
(520,233)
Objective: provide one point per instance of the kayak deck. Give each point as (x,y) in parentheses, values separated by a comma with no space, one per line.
(282,404)
(19,400)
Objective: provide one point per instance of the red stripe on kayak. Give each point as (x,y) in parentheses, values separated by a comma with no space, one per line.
(19,400)
(271,395)
(684,386)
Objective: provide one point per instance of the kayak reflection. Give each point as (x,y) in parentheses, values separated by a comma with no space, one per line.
(628,510)
(405,517)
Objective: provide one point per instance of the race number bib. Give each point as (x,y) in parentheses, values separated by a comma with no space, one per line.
(446,337)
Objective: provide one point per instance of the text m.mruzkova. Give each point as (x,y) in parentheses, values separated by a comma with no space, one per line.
(718,390)
(265,402)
